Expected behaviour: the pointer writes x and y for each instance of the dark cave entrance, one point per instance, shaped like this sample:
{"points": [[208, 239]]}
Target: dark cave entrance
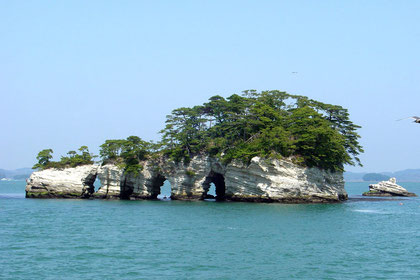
{"points": [[89, 183], [126, 188], [161, 188], [218, 181]]}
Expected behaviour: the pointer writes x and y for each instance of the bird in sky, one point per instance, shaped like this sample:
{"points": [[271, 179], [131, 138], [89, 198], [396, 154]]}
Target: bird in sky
{"points": [[416, 119]]}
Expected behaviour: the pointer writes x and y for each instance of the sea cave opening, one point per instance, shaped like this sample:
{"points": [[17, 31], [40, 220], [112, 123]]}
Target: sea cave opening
{"points": [[89, 182], [211, 194], [161, 188], [165, 191], [214, 187], [97, 184]]}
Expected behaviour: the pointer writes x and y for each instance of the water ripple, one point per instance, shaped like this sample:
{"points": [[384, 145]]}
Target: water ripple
{"points": [[92, 239]]}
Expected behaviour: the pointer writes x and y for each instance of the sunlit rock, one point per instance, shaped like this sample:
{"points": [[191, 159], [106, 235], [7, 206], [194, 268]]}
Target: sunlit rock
{"points": [[282, 181], [387, 188], [74, 182], [262, 180], [110, 177]]}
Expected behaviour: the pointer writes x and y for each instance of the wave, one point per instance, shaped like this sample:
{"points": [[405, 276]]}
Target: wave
{"points": [[369, 211], [12, 195]]}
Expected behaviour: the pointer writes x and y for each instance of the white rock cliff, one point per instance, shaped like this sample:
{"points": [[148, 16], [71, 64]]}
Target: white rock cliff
{"points": [[262, 180], [66, 183]]}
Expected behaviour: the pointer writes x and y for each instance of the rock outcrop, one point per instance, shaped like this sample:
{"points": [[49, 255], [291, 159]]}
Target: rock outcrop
{"points": [[110, 177], [263, 180], [387, 188], [283, 181], [62, 183]]}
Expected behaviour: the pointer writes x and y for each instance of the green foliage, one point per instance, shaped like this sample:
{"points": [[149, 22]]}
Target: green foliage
{"points": [[44, 158], [126, 153], [267, 124], [190, 173], [72, 160], [111, 149]]}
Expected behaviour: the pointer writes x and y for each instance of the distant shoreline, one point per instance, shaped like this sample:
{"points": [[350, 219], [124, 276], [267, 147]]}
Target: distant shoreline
{"points": [[407, 175], [368, 182]]}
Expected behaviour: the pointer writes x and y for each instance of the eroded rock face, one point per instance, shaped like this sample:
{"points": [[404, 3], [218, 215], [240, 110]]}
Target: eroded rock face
{"points": [[62, 183], [282, 181], [262, 181], [387, 188], [110, 177], [143, 185], [188, 181]]}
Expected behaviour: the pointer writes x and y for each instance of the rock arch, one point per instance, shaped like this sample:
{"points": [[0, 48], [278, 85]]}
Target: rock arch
{"points": [[155, 184], [88, 183], [219, 182], [261, 180]]}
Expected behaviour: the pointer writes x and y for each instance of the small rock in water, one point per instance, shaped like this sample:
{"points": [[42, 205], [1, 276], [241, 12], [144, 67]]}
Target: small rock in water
{"points": [[387, 188]]}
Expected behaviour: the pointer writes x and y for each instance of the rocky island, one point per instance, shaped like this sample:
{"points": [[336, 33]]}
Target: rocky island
{"points": [[387, 188], [260, 147], [261, 181]]}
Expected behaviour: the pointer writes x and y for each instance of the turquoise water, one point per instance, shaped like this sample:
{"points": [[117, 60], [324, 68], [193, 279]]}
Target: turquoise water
{"points": [[94, 239]]}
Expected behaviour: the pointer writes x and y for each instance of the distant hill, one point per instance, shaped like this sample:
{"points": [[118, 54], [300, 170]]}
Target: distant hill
{"points": [[375, 177], [408, 175], [354, 176], [17, 174]]}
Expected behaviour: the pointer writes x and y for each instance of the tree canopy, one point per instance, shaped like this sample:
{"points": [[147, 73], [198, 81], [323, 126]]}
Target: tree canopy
{"points": [[268, 124], [72, 160], [44, 158], [127, 153], [265, 124]]}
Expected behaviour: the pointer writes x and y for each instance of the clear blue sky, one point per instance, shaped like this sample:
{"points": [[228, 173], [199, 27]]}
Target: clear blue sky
{"points": [[77, 73]]}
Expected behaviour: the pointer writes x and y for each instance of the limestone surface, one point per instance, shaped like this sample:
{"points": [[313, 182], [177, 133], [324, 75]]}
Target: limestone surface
{"points": [[74, 182], [262, 180], [109, 176], [387, 188], [282, 181]]}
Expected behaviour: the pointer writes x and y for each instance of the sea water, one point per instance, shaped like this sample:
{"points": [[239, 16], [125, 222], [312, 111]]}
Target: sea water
{"points": [[97, 239]]}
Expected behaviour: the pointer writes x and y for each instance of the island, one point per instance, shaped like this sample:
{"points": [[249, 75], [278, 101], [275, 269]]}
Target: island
{"points": [[387, 188], [267, 146]]}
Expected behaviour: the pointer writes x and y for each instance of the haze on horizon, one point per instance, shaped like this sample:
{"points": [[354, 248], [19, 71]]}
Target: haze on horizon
{"points": [[80, 72]]}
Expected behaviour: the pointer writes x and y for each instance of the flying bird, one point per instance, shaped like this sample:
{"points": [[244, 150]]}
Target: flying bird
{"points": [[416, 119]]}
